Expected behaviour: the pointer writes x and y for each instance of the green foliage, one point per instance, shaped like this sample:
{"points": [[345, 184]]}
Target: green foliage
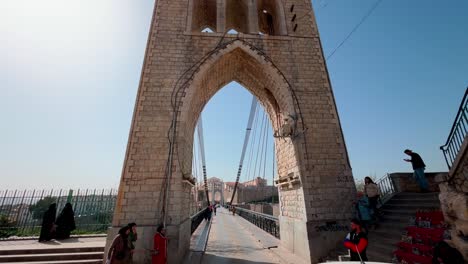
{"points": [[38, 209], [7, 227]]}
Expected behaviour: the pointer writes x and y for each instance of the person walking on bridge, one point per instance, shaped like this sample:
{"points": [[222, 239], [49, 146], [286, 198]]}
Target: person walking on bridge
{"points": [[418, 167]]}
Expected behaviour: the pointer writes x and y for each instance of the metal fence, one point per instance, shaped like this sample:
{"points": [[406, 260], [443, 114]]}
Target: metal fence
{"points": [[457, 133], [21, 211], [196, 219], [387, 188], [266, 222]]}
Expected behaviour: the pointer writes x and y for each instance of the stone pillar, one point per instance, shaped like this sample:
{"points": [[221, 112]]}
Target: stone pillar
{"points": [[253, 17], [221, 16]]}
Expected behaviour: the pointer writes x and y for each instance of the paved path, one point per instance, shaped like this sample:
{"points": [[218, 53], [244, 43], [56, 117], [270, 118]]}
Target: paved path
{"points": [[232, 242], [73, 242]]}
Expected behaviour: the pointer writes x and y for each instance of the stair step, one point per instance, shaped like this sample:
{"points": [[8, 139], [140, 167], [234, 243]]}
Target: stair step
{"points": [[51, 257], [385, 224], [416, 207], [85, 261], [394, 234], [380, 257], [400, 212], [50, 250], [407, 195]]}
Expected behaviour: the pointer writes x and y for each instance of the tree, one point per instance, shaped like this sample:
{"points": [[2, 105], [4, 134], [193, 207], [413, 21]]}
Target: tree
{"points": [[38, 209], [7, 227]]}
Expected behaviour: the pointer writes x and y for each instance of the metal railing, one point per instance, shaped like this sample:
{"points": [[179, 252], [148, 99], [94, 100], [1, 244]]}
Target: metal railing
{"points": [[21, 211], [196, 219], [387, 188], [266, 222], [457, 133]]}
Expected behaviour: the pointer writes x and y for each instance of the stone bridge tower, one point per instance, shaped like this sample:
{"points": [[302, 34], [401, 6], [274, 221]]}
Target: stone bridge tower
{"points": [[277, 56]]}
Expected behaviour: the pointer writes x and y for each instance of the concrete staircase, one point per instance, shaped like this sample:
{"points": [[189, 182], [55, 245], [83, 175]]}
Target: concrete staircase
{"points": [[63, 255], [397, 212]]}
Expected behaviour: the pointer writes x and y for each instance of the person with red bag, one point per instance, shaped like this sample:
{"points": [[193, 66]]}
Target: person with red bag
{"points": [[356, 241]]}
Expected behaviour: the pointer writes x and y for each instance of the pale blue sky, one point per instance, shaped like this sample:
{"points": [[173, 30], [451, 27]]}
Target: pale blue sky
{"points": [[69, 73]]}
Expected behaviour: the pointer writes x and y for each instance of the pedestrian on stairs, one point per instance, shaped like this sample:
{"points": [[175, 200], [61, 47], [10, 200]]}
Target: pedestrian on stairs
{"points": [[372, 191], [363, 212], [356, 241], [418, 167]]}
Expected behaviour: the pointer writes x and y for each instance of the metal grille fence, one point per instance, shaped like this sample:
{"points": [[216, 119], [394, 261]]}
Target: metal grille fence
{"points": [[266, 222], [21, 211], [457, 134]]}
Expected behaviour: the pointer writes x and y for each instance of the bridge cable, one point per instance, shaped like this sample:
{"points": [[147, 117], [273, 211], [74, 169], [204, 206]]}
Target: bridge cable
{"points": [[263, 140], [253, 108], [195, 171], [363, 19], [251, 145], [265, 160], [202, 151], [258, 152], [273, 168]]}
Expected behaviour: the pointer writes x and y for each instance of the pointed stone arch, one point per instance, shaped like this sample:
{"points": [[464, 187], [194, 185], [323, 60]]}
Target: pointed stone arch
{"points": [[238, 61]]}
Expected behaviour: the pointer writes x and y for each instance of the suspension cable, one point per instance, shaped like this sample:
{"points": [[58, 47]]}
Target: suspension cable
{"points": [[202, 151], [253, 108], [260, 152], [260, 141], [265, 160], [251, 146]]}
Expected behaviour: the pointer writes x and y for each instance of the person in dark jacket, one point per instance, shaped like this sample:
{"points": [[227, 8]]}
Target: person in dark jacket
{"points": [[65, 222], [48, 224], [132, 238], [418, 167], [445, 254], [119, 252], [356, 241]]}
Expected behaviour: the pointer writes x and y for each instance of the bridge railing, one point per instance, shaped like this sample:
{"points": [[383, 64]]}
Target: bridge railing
{"points": [[196, 219], [21, 211], [266, 222], [457, 133], [387, 188]]}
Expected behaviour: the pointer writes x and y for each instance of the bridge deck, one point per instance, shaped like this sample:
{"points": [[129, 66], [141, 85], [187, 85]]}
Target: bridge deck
{"points": [[234, 240]]}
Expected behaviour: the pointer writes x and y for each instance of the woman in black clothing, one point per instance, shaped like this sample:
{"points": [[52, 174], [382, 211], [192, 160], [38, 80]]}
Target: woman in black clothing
{"points": [[65, 222], [48, 224]]}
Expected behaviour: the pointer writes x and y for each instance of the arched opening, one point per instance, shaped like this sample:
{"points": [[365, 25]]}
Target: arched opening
{"points": [[270, 18], [224, 141], [203, 15], [238, 63], [237, 15], [232, 31], [207, 30]]}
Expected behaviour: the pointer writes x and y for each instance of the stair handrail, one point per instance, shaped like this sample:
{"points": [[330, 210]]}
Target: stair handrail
{"points": [[387, 188], [457, 133]]}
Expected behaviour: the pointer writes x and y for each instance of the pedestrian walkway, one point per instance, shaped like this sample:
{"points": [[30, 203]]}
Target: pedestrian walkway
{"points": [[31, 244], [231, 241]]}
